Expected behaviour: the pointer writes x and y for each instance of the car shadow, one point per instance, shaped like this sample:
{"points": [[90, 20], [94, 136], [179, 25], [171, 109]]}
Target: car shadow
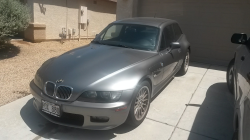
{"points": [[195, 65], [45, 129], [8, 51], [159, 92], [214, 118]]}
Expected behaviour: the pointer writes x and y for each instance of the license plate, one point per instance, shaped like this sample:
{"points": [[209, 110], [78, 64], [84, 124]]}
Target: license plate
{"points": [[51, 108]]}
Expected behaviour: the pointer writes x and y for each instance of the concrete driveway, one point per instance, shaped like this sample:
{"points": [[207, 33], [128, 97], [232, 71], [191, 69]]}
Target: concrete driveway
{"points": [[197, 106]]}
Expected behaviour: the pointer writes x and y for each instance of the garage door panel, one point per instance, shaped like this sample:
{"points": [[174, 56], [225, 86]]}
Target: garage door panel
{"points": [[160, 8], [213, 19], [201, 52], [216, 1], [233, 16], [202, 7], [208, 24], [208, 53], [209, 35], [212, 34], [213, 47], [229, 16], [216, 7], [208, 60]]}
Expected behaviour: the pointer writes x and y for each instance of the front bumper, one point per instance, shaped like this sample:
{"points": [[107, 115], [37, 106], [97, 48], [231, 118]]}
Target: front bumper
{"points": [[83, 110]]}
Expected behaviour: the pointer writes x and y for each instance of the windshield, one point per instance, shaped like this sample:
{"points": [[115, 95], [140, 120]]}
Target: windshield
{"points": [[130, 36]]}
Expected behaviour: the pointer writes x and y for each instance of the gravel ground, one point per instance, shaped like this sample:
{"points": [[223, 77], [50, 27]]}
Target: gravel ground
{"points": [[20, 60]]}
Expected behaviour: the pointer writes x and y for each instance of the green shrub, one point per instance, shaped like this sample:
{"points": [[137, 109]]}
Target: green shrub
{"points": [[14, 18]]}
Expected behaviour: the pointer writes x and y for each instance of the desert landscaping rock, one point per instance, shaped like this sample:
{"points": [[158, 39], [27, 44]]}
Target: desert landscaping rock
{"points": [[19, 62]]}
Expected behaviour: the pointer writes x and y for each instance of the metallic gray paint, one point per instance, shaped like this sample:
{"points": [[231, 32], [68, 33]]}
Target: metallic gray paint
{"points": [[108, 68], [241, 91], [87, 109]]}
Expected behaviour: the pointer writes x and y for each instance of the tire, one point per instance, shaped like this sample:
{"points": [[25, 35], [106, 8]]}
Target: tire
{"points": [[185, 64], [134, 119], [230, 76], [235, 136]]}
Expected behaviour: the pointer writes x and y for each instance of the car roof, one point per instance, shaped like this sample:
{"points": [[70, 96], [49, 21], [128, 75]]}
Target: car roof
{"points": [[150, 21]]}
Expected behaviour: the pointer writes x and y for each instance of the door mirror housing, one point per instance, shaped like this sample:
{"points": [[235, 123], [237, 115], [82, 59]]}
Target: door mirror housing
{"points": [[96, 35], [175, 45], [239, 38]]}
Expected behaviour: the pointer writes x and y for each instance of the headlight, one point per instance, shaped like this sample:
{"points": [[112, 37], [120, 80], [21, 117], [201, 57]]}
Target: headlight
{"points": [[100, 96]]}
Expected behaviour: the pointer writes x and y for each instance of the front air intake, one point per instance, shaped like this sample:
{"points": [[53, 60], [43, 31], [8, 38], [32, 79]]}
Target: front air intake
{"points": [[64, 92], [49, 88]]}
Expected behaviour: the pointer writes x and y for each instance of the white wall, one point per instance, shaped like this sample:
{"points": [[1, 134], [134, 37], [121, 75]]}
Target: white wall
{"points": [[58, 14]]}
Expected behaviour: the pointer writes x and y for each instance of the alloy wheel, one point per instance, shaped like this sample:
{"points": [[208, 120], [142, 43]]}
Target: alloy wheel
{"points": [[230, 76], [141, 103], [186, 61]]}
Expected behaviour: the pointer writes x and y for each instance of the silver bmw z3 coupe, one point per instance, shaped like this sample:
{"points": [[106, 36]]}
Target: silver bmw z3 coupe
{"points": [[113, 79]]}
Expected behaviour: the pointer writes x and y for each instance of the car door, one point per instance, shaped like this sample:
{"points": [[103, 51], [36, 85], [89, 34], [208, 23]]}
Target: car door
{"points": [[243, 88], [177, 53], [242, 71], [245, 135], [165, 52], [157, 69]]}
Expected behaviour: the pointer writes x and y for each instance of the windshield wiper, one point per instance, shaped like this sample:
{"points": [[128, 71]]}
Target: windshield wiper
{"points": [[96, 41], [123, 46], [118, 45]]}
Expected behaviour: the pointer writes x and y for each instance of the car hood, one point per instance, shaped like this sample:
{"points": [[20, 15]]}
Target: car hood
{"points": [[83, 66]]}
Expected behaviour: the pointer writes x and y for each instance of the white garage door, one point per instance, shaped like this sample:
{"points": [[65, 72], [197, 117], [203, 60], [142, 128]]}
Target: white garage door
{"points": [[208, 24]]}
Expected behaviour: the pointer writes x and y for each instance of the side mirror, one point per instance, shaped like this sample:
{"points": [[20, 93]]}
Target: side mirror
{"points": [[175, 45], [96, 35], [239, 38]]}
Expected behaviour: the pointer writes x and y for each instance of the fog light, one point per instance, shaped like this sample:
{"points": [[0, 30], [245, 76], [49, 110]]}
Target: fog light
{"points": [[100, 119]]}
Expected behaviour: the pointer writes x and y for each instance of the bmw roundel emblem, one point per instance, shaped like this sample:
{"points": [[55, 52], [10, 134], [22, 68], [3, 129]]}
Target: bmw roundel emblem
{"points": [[59, 81]]}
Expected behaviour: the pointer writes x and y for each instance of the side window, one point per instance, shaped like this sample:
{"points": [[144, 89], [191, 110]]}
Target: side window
{"points": [[169, 35], [163, 43], [112, 32], [177, 31]]}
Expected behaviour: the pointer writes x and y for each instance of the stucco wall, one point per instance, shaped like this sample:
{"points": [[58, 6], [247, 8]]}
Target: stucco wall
{"points": [[58, 14], [126, 9]]}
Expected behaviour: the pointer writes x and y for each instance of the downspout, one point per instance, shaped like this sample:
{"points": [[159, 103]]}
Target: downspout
{"points": [[66, 18]]}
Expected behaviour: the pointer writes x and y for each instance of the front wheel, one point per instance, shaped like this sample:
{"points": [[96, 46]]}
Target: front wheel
{"points": [[140, 104], [185, 64]]}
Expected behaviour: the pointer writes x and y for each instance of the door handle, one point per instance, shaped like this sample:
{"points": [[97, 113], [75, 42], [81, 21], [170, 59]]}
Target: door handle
{"points": [[242, 58], [161, 64]]}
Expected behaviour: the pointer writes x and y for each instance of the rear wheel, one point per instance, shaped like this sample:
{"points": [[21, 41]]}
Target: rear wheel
{"points": [[185, 64], [230, 76], [140, 104]]}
